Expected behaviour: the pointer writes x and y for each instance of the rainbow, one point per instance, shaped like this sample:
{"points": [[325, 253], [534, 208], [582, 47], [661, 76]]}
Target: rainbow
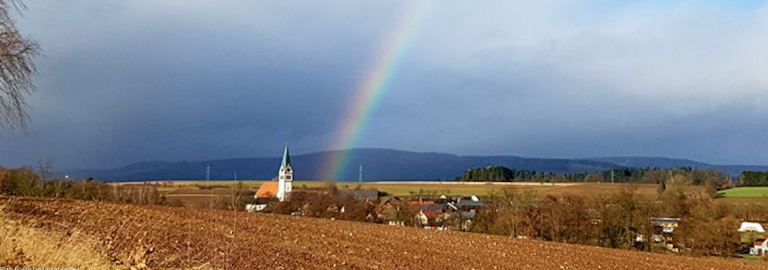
{"points": [[371, 88]]}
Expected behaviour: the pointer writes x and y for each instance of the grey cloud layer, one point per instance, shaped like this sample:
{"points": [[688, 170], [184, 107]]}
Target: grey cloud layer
{"points": [[186, 80]]}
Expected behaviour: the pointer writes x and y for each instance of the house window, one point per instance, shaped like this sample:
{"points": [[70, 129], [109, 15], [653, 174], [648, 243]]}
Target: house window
{"points": [[287, 177], [282, 177]]}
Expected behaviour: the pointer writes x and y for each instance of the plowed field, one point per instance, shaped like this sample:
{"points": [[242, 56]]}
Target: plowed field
{"points": [[165, 237]]}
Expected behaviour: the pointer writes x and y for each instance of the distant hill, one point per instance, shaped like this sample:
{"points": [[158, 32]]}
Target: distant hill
{"points": [[651, 162], [661, 162], [379, 165]]}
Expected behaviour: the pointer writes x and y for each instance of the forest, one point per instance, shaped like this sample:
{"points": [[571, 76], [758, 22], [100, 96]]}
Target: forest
{"points": [[753, 179], [497, 173]]}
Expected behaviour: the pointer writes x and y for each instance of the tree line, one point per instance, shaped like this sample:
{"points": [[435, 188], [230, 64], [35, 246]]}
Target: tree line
{"points": [[26, 182], [753, 179], [624, 175]]}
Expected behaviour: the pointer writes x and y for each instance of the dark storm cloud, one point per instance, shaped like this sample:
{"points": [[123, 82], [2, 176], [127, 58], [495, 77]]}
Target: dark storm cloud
{"points": [[187, 80]]}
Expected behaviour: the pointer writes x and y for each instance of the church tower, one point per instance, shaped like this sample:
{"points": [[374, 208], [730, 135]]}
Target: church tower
{"points": [[285, 177]]}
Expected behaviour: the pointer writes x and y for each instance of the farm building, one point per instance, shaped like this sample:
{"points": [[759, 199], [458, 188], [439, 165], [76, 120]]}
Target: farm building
{"points": [[667, 225], [663, 230], [747, 226]]}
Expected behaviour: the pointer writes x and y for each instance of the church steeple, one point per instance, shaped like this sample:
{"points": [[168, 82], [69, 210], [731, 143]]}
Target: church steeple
{"points": [[286, 158], [285, 177]]}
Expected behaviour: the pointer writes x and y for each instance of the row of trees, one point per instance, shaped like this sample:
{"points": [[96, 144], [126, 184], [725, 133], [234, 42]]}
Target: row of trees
{"points": [[328, 202], [25, 182], [626, 175], [620, 220], [753, 179], [492, 174]]}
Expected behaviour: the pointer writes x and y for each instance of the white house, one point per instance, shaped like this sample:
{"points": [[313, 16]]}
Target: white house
{"points": [[759, 247]]}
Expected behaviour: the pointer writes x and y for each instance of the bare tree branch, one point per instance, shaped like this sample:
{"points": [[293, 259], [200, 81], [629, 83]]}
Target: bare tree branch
{"points": [[17, 70]]}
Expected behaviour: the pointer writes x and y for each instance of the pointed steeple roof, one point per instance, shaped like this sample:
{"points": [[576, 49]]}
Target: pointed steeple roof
{"points": [[286, 157]]}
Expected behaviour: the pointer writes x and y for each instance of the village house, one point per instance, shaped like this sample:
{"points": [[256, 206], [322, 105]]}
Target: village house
{"points": [[664, 228], [390, 212], [439, 213], [759, 246], [432, 215], [467, 204]]}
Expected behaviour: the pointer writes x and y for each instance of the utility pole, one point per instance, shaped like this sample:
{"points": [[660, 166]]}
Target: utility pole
{"points": [[207, 181], [360, 174]]}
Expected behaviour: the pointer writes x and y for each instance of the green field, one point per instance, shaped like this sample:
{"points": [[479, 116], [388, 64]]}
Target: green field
{"points": [[744, 192]]}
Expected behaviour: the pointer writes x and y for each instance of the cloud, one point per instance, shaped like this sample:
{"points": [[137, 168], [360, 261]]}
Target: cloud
{"points": [[189, 80]]}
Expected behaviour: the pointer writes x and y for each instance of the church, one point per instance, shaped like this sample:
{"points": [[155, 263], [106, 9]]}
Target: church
{"points": [[285, 177], [279, 190]]}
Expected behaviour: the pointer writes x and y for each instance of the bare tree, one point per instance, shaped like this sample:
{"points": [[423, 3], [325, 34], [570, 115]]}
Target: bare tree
{"points": [[16, 68]]}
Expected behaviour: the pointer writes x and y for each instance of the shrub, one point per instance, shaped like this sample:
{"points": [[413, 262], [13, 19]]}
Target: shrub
{"points": [[325, 203], [24, 182], [19, 182]]}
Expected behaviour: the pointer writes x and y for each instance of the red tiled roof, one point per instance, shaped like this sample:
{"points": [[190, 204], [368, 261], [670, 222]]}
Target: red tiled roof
{"points": [[267, 190], [420, 203], [432, 214], [759, 241]]}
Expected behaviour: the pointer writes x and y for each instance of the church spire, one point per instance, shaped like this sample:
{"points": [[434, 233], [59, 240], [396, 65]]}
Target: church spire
{"points": [[285, 176], [286, 158]]}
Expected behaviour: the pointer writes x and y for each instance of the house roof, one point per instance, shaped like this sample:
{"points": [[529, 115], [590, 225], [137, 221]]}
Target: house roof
{"points": [[432, 214], [470, 203], [751, 227], [391, 200], [421, 202], [665, 222], [434, 207], [370, 194], [267, 190], [467, 215], [759, 241]]}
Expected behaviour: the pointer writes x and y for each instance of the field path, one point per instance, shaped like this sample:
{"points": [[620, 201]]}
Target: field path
{"points": [[166, 237]]}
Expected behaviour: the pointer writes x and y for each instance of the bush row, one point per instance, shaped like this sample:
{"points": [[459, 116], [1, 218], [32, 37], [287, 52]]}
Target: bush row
{"points": [[25, 182]]}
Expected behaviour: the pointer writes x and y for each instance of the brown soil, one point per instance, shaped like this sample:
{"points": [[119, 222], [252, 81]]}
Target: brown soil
{"points": [[165, 237]]}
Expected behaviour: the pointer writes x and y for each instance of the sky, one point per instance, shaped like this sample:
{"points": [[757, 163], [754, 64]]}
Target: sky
{"points": [[129, 81]]}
